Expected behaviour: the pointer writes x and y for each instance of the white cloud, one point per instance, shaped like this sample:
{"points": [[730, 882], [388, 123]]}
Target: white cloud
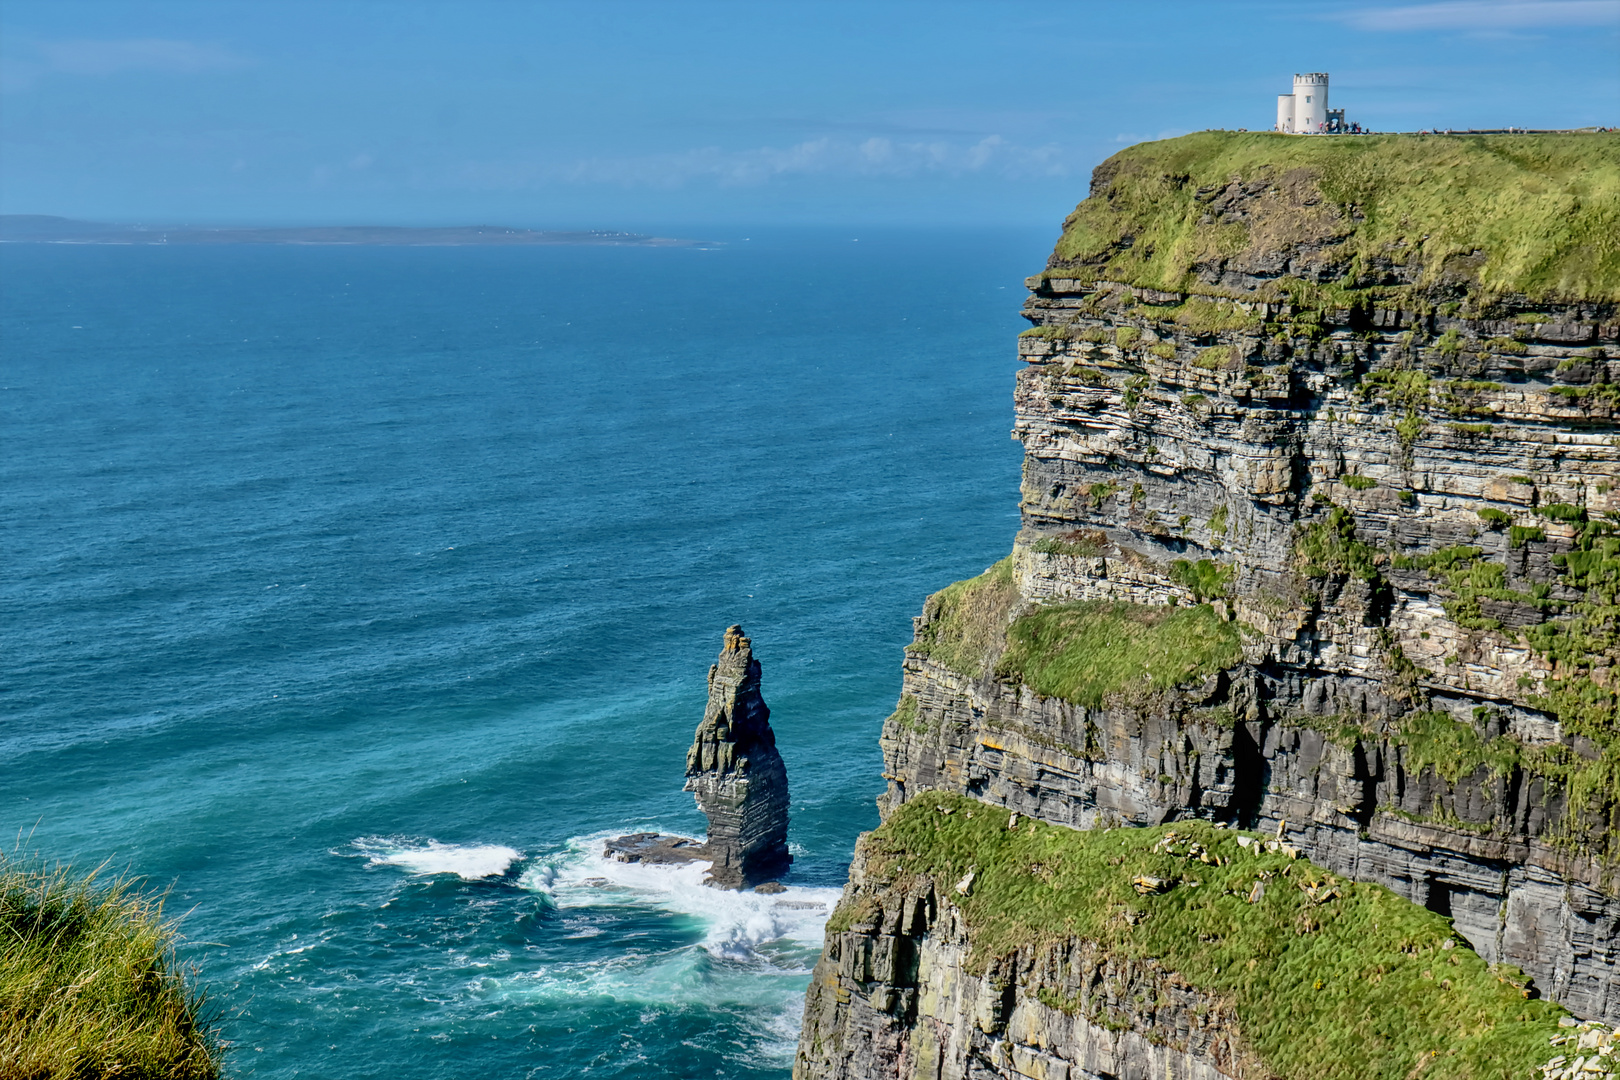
{"points": [[877, 156], [87, 57], [1485, 15]]}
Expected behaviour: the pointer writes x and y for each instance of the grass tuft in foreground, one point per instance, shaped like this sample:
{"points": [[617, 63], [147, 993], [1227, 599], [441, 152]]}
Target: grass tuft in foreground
{"points": [[1331, 980], [89, 987]]}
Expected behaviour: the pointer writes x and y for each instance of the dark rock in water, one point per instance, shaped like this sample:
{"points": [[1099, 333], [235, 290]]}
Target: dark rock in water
{"points": [[740, 783], [655, 848], [737, 775]]}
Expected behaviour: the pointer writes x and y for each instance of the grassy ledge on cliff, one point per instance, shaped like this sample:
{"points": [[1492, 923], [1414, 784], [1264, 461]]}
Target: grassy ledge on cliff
{"points": [[1090, 652], [89, 986], [1096, 650], [1536, 216], [965, 623], [1330, 979]]}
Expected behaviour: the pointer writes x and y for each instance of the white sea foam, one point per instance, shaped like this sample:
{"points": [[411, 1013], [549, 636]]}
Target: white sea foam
{"points": [[740, 925], [754, 950], [467, 861], [779, 1034], [294, 947]]}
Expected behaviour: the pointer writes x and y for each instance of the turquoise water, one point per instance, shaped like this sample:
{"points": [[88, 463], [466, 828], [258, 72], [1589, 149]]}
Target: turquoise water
{"points": [[354, 594]]}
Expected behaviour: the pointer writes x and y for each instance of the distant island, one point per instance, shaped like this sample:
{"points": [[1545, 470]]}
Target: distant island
{"points": [[46, 229]]}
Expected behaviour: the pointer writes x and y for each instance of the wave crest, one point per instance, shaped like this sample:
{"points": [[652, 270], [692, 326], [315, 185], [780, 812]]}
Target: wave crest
{"points": [[739, 925], [470, 862]]}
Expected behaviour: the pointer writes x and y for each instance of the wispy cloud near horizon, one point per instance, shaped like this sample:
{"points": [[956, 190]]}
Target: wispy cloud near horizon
{"points": [[1131, 138], [710, 110], [1484, 15], [877, 156], [111, 57]]}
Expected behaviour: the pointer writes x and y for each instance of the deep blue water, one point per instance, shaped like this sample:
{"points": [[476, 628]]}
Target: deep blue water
{"points": [[352, 593]]}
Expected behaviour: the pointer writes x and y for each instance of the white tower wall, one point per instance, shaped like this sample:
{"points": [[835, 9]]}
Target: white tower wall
{"points": [[1285, 112], [1310, 101]]}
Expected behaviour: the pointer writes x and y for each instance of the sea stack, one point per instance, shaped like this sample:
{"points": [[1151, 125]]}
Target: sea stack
{"points": [[737, 775]]}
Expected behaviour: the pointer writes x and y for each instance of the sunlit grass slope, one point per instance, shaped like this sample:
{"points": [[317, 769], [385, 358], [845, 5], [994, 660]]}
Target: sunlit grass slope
{"points": [[1089, 652], [1543, 211], [1331, 980], [89, 988]]}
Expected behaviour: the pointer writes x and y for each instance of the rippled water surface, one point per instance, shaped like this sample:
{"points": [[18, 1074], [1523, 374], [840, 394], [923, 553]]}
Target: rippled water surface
{"points": [[354, 594]]}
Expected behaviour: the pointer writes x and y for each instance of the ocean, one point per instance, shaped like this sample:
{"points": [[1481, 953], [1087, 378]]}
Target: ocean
{"points": [[354, 595]]}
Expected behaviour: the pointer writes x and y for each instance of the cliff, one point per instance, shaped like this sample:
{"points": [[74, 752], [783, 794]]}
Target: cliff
{"points": [[973, 942], [740, 782], [1319, 540]]}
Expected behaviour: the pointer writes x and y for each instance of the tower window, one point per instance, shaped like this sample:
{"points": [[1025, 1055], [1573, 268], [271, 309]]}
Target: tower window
{"points": [[1307, 99]]}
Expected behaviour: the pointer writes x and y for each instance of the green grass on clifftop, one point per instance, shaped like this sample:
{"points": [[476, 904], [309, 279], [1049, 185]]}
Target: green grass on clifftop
{"points": [[1353, 984], [1543, 209], [88, 984]]}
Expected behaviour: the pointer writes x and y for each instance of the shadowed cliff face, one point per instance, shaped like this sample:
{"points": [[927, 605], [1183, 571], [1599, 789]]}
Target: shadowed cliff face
{"points": [[737, 775], [1321, 537]]}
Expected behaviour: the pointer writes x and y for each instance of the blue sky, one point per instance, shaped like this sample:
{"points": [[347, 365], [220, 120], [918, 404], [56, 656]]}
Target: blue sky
{"points": [[676, 114]]}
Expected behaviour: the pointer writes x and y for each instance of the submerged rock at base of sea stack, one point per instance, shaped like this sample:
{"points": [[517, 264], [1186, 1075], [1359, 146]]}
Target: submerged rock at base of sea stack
{"points": [[737, 775]]}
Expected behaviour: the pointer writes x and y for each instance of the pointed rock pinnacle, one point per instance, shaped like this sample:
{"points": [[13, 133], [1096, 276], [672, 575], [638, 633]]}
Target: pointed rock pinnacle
{"points": [[737, 775]]}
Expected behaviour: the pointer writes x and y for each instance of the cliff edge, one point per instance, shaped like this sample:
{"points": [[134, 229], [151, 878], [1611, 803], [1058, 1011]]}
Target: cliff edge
{"points": [[1320, 549]]}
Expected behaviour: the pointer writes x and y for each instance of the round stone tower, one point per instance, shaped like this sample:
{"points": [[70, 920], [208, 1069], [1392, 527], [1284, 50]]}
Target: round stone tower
{"points": [[1285, 113], [1310, 101]]}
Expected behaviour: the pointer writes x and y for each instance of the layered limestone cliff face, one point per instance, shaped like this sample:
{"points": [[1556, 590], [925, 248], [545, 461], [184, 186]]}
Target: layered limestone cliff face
{"points": [[971, 942], [1319, 535], [896, 995], [737, 774], [910, 957]]}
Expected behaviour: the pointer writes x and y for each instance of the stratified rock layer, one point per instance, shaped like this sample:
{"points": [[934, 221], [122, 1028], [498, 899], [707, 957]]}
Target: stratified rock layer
{"points": [[1140, 455], [894, 995], [737, 775]]}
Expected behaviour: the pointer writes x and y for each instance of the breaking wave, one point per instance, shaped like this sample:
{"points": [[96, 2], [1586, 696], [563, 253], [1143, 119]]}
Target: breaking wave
{"points": [[470, 862], [739, 925], [620, 936]]}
